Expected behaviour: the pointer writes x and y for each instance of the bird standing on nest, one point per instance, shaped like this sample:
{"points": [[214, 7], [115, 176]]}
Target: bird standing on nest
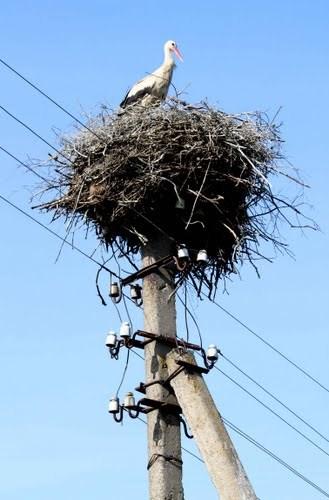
{"points": [[154, 87]]}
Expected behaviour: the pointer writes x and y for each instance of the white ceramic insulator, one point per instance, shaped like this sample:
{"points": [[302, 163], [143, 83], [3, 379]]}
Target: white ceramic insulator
{"points": [[114, 290], [125, 329], [129, 400], [212, 353], [183, 253], [111, 339], [114, 405], [202, 256]]}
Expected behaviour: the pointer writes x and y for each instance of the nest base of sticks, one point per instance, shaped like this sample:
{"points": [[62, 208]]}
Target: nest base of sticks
{"points": [[194, 174]]}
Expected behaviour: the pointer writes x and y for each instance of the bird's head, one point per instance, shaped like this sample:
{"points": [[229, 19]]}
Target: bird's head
{"points": [[170, 47]]}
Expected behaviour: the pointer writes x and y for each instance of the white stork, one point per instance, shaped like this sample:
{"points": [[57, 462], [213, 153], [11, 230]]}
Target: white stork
{"points": [[154, 87]]}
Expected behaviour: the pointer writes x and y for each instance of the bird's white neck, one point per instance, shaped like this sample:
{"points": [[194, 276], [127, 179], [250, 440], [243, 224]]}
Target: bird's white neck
{"points": [[168, 57]]}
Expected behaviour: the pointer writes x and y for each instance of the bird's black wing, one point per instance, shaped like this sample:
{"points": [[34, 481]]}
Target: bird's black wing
{"points": [[137, 96]]}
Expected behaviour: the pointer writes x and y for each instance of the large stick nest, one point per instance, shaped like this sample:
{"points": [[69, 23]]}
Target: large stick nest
{"points": [[193, 173]]}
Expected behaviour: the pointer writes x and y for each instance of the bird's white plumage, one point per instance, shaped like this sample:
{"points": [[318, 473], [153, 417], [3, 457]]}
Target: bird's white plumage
{"points": [[155, 86]]}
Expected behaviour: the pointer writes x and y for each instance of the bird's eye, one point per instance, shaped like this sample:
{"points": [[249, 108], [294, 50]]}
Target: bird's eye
{"points": [[173, 44]]}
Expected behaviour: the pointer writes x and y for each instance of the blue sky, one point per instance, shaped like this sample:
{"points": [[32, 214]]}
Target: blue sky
{"points": [[57, 440]]}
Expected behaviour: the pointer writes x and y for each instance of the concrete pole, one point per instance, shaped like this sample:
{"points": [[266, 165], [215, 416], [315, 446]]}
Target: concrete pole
{"points": [[164, 441], [211, 437]]}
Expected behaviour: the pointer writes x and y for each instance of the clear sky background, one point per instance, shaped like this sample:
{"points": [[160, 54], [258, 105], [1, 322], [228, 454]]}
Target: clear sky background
{"points": [[57, 440]]}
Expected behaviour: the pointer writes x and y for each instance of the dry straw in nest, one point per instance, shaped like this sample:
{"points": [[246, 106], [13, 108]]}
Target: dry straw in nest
{"points": [[194, 174]]}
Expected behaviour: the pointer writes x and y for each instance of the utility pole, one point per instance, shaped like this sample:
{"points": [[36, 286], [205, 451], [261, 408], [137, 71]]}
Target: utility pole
{"points": [[204, 420], [163, 428]]}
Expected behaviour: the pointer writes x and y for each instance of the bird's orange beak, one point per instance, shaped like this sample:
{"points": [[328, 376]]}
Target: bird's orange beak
{"points": [[178, 54]]}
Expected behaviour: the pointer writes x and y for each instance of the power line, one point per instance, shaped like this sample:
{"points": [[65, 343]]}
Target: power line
{"points": [[35, 87], [74, 247], [230, 314], [64, 240], [23, 212], [107, 269], [272, 411], [268, 344], [3, 198], [137, 354], [24, 164], [265, 406], [104, 267], [259, 446], [275, 457], [275, 398], [27, 127], [261, 386]]}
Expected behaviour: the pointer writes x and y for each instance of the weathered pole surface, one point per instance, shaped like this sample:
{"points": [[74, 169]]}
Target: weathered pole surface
{"points": [[211, 437], [164, 440]]}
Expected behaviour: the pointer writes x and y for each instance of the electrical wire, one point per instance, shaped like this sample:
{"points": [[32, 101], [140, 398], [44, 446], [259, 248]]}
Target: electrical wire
{"points": [[117, 311], [272, 411], [128, 350], [27, 127], [218, 305], [24, 164], [74, 247], [193, 319], [269, 345], [3, 198], [35, 87], [260, 447], [137, 354], [275, 398], [265, 342], [267, 407], [275, 457], [269, 393], [298, 367], [225, 310], [63, 239], [99, 264], [185, 313], [13, 205], [52, 232], [123, 374]]}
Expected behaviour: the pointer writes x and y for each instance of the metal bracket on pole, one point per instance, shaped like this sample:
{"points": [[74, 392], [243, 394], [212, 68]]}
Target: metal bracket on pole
{"points": [[175, 343], [163, 339], [165, 383], [190, 367], [152, 404], [145, 271]]}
